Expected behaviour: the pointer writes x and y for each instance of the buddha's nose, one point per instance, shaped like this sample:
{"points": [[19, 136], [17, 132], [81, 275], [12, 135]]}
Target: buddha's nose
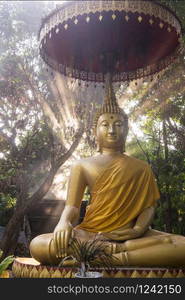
{"points": [[111, 130]]}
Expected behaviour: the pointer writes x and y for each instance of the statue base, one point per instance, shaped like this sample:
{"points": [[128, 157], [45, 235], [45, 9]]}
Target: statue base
{"points": [[25, 267]]}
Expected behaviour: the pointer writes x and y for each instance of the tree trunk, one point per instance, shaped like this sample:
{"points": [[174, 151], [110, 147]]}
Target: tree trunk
{"points": [[10, 236], [167, 212]]}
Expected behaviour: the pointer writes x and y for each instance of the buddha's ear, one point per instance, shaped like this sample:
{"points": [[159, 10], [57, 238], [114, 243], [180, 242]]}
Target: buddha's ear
{"points": [[95, 133], [98, 148], [123, 147], [97, 143]]}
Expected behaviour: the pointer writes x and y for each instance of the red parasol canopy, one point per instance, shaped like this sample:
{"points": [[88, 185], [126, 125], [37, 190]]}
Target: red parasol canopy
{"points": [[131, 39]]}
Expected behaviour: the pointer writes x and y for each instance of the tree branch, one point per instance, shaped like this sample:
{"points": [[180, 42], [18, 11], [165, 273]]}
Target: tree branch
{"points": [[45, 186], [8, 139]]}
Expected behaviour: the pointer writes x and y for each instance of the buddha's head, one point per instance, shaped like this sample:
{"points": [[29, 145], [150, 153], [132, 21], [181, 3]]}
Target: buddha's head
{"points": [[111, 124]]}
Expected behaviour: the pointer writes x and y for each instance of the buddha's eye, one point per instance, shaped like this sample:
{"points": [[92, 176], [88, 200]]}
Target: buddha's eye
{"points": [[104, 124]]}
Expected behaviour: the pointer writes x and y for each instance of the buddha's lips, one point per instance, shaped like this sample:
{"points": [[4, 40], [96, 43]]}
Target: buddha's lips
{"points": [[112, 137]]}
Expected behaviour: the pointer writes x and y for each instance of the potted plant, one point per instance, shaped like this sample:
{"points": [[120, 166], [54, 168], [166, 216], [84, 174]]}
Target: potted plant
{"points": [[4, 265], [87, 254]]}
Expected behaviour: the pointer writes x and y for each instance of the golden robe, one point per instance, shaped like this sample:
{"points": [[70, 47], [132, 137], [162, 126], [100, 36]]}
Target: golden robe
{"points": [[121, 192]]}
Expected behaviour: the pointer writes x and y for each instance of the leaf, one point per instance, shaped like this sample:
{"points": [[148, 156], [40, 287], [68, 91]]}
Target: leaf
{"points": [[5, 263], [64, 259]]}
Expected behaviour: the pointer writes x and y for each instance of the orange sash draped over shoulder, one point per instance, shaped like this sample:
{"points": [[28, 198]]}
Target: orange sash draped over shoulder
{"points": [[121, 192]]}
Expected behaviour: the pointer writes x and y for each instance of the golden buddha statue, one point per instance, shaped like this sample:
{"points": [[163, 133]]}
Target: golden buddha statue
{"points": [[124, 195]]}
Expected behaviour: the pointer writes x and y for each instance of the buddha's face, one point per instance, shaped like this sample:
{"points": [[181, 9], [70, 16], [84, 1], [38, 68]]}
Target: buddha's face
{"points": [[110, 131]]}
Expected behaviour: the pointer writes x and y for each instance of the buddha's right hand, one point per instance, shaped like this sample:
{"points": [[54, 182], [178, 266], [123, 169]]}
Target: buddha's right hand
{"points": [[63, 232]]}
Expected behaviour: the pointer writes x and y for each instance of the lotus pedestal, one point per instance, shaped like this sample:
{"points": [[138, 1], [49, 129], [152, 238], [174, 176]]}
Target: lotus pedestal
{"points": [[24, 267]]}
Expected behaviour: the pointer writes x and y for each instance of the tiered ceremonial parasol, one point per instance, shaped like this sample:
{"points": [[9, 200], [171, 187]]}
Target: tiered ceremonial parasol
{"points": [[129, 39]]}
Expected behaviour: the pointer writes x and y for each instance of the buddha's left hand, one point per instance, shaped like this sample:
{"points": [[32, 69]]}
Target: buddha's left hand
{"points": [[124, 234]]}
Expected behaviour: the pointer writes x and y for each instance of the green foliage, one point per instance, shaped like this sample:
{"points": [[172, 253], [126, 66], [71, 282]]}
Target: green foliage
{"points": [[178, 6], [171, 181], [6, 201], [161, 150], [4, 264], [87, 195], [7, 204]]}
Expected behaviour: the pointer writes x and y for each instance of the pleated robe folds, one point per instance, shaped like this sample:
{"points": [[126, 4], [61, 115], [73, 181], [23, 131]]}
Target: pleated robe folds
{"points": [[121, 192]]}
